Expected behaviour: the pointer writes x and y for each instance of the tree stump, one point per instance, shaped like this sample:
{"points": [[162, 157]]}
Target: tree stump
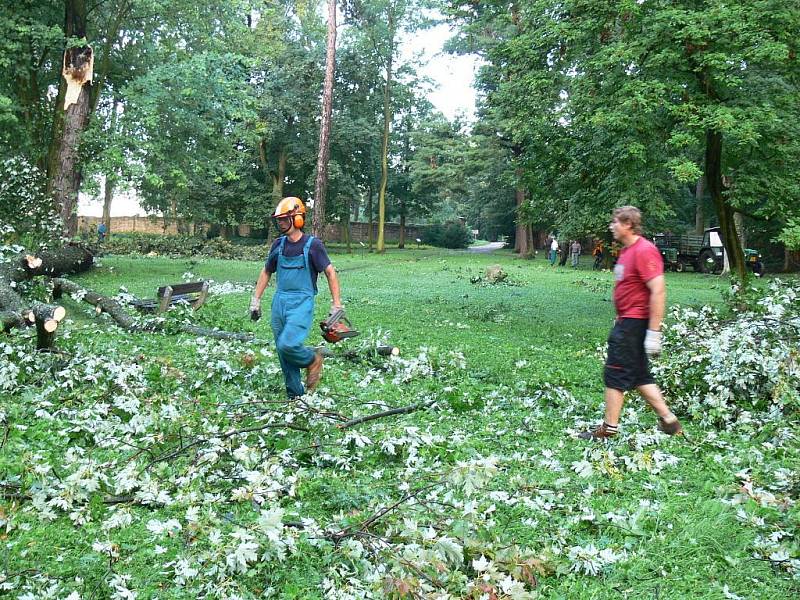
{"points": [[47, 318], [495, 274]]}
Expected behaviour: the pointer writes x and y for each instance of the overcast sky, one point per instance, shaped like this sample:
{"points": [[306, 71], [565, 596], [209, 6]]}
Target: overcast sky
{"points": [[453, 95], [453, 74]]}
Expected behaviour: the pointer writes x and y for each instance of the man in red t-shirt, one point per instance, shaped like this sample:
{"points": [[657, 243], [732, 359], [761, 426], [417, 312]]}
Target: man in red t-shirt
{"points": [[639, 297]]}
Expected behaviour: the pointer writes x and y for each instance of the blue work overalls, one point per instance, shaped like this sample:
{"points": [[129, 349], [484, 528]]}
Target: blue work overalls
{"points": [[292, 314]]}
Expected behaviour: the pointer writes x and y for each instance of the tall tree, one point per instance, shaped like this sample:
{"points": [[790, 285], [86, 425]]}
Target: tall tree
{"points": [[627, 102], [321, 184], [78, 94], [384, 21]]}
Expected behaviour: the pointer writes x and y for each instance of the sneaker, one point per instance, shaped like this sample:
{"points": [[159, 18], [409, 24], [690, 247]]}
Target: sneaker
{"points": [[673, 428], [314, 372], [601, 433]]}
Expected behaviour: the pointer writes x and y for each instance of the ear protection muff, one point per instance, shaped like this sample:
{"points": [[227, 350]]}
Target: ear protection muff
{"points": [[298, 221]]}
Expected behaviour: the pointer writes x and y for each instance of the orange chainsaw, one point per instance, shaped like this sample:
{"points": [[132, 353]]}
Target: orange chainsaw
{"points": [[337, 327]]}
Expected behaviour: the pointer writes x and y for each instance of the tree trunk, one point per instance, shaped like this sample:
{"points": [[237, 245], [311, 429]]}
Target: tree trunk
{"points": [[738, 219], [699, 217], [791, 260], [70, 118], [108, 196], [402, 241], [387, 120], [321, 184], [279, 177], [348, 231], [730, 238], [531, 252], [564, 253], [111, 176], [521, 241], [371, 218], [262, 158]]}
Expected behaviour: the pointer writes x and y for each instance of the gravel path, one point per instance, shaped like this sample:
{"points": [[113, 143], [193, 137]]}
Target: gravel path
{"points": [[490, 247]]}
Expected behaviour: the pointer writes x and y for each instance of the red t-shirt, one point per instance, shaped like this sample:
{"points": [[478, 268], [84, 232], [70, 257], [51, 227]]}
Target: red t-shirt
{"points": [[637, 264]]}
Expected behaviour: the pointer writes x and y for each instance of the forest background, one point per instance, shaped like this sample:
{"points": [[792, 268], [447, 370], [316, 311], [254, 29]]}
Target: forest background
{"points": [[212, 111]]}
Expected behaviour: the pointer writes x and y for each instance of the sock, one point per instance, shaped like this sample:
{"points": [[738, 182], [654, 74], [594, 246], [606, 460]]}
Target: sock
{"points": [[669, 417]]}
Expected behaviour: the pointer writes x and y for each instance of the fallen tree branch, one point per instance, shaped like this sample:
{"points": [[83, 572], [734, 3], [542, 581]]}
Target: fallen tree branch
{"points": [[366, 524], [379, 350], [386, 413], [167, 456], [104, 304], [110, 500]]}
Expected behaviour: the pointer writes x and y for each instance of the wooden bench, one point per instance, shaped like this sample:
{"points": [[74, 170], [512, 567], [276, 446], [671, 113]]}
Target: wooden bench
{"points": [[193, 293]]}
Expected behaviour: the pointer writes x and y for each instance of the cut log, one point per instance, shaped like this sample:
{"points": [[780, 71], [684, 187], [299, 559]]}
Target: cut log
{"points": [[15, 311], [54, 263], [47, 318]]}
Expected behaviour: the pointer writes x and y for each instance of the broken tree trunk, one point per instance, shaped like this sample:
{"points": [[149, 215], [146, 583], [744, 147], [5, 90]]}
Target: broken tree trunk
{"points": [[104, 304], [15, 311], [64, 261], [71, 118]]}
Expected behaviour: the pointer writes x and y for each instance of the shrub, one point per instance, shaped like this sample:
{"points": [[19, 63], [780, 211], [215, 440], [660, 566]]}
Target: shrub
{"points": [[26, 213], [182, 246], [723, 367], [453, 234]]}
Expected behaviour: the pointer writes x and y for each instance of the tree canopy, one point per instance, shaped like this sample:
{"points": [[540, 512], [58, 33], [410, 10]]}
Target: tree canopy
{"points": [[212, 111]]}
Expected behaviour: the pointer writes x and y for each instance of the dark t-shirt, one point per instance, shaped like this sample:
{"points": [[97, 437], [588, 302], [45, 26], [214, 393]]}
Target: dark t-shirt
{"points": [[317, 255]]}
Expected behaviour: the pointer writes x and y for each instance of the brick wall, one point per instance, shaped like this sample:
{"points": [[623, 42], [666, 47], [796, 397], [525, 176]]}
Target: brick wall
{"points": [[333, 232], [130, 224]]}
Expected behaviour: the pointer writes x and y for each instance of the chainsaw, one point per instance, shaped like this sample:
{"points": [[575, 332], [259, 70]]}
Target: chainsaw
{"points": [[337, 327]]}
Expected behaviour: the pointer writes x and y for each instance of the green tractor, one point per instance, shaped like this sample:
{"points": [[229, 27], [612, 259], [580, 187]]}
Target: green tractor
{"points": [[704, 253]]}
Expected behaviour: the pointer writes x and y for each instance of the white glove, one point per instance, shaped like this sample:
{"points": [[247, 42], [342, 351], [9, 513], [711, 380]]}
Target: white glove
{"points": [[334, 308], [652, 342], [255, 308]]}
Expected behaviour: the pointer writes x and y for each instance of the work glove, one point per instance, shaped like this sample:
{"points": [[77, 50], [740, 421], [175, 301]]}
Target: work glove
{"points": [[652, 342], [334, 308], [255, 308]]}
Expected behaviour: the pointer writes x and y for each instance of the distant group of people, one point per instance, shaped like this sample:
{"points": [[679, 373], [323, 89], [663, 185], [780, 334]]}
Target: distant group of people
{"points": [[575, 250]]}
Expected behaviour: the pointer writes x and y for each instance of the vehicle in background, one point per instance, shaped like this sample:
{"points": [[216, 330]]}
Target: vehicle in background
{"points": [[704, 253]]}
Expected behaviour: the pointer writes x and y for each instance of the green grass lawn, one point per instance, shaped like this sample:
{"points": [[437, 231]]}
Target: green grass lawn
{"points": [[488, 482]]}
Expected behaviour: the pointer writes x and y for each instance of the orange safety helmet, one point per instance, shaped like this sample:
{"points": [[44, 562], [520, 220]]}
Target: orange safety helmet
{"points": [[291, 207]]}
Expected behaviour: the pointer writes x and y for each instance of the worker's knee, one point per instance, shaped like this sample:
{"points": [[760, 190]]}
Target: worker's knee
{"points": [[287, 347]]}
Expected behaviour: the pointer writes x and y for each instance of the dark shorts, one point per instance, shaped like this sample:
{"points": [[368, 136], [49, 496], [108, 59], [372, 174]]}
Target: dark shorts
{"points": [[626, 365]]}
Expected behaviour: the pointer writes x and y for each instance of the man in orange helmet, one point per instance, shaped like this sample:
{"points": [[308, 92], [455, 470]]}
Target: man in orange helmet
{"points": [[297, 258]]}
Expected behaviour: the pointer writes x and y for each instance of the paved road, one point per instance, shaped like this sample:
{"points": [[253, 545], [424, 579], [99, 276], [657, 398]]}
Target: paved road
{"points": [[490, 247]]}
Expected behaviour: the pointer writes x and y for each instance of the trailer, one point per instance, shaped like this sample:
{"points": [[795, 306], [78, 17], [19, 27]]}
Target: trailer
{"points": [[704, 253]]}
